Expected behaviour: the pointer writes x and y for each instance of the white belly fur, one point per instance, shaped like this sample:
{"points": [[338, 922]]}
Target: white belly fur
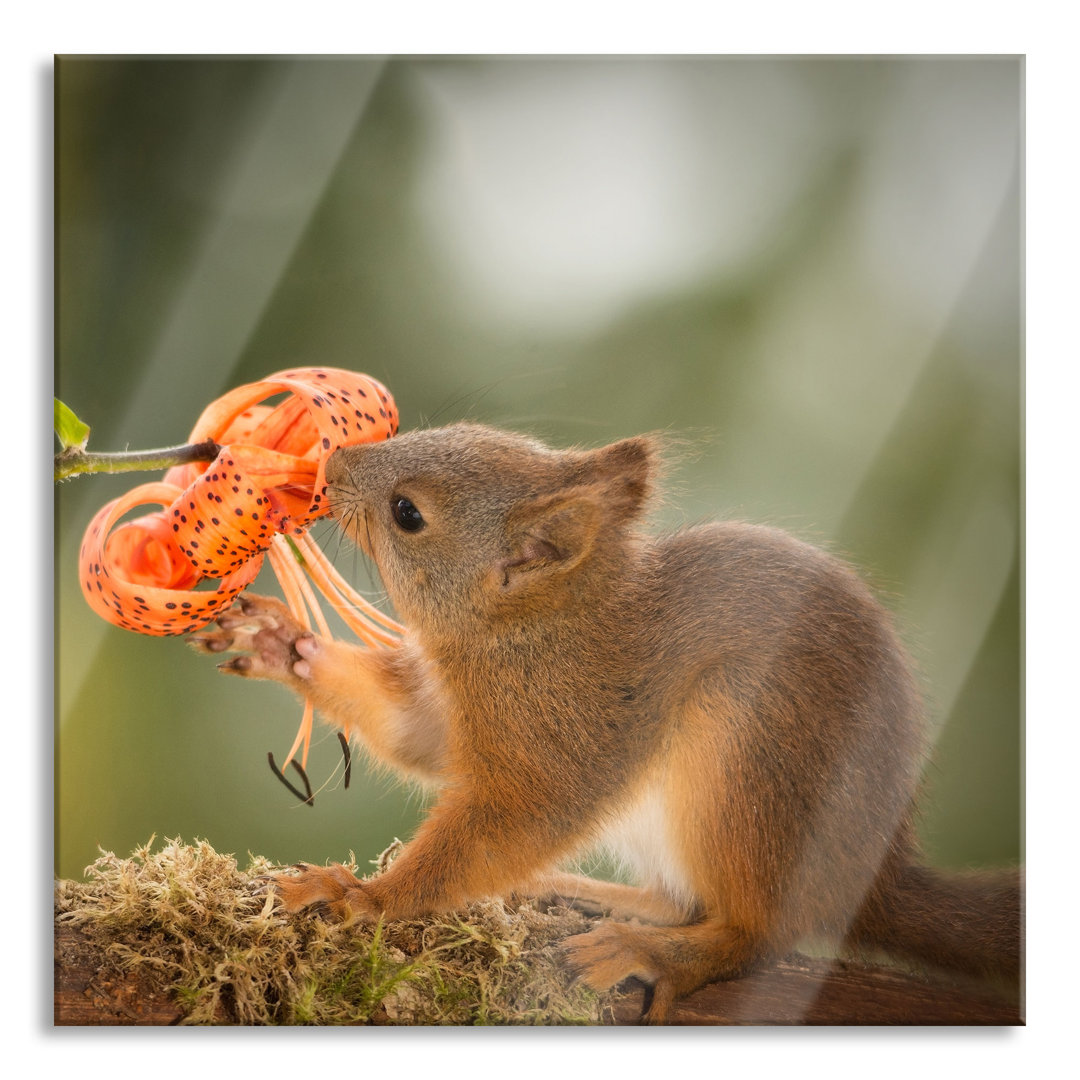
{"points": [[640, 841]]}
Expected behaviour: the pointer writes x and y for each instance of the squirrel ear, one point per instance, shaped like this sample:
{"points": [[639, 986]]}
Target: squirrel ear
{"points": [[549, 535], [624, 472]]}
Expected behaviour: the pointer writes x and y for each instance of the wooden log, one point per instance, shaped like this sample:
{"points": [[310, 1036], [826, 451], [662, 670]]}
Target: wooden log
{"points": [[801, 990], [91, 988]]}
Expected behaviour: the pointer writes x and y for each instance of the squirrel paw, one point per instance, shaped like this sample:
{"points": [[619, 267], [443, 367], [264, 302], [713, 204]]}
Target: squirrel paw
{"points": [[265, 632], [613, 952], [330, 890], [605, 956]]}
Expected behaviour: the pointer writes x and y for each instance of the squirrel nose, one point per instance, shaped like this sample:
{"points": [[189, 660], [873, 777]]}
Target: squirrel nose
{"points": [[335, 468], [342, 463]]}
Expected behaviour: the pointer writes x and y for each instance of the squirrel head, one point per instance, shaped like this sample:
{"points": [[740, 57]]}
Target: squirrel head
{"points": [[468, 521]]}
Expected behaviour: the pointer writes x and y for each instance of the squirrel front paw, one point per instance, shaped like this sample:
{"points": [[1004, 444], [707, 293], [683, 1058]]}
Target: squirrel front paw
{"points": [[272, 643], [331, 890]]}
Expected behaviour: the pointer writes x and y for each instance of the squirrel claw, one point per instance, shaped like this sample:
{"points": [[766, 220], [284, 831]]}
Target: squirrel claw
{"points": [[209, 643]]}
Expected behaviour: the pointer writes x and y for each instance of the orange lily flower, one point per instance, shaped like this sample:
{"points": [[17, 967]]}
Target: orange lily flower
{"points": [[219, 520]]}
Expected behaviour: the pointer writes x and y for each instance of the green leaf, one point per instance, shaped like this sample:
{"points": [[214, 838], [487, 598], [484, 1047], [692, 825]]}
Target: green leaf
{"points": [[70, 430]]}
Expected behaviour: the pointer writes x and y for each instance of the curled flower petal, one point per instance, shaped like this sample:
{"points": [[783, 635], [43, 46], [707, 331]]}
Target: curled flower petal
{"points": [[235, 509], [243, 429], [329, 408], [147, 551], [286, 427], [144, 596]]}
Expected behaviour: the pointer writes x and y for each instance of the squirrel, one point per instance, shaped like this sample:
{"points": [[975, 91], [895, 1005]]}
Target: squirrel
{"points": [[727, 708]]}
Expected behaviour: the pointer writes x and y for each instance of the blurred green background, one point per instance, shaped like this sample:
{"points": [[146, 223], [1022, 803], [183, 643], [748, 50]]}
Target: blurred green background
{"points": [[808, 271]]}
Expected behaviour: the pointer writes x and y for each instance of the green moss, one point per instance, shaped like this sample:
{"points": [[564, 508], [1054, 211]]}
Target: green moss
{"points": [[213, 934]]}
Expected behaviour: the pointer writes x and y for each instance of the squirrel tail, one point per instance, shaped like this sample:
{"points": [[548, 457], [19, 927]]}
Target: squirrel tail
{"points": [[965, 922]]}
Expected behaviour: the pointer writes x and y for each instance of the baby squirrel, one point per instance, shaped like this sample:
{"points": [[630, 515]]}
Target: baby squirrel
{"points": [[727, 708]]}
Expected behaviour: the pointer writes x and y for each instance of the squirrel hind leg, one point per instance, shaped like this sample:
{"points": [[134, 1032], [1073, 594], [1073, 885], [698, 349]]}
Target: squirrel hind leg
{"points": [[672, 960]]}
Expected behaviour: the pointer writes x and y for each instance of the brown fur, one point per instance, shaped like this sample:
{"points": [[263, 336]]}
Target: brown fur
{"points": [[727, 706]]}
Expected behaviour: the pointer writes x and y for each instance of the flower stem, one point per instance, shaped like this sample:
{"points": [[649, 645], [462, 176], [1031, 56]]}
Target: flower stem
{"points": [[75, 462]]}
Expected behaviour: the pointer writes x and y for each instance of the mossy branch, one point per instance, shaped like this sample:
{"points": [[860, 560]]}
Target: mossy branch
{"points": [[183, 936]]}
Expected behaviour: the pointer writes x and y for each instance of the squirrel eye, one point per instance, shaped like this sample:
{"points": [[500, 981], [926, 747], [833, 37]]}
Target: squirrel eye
{"points": [[406, 515]]}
